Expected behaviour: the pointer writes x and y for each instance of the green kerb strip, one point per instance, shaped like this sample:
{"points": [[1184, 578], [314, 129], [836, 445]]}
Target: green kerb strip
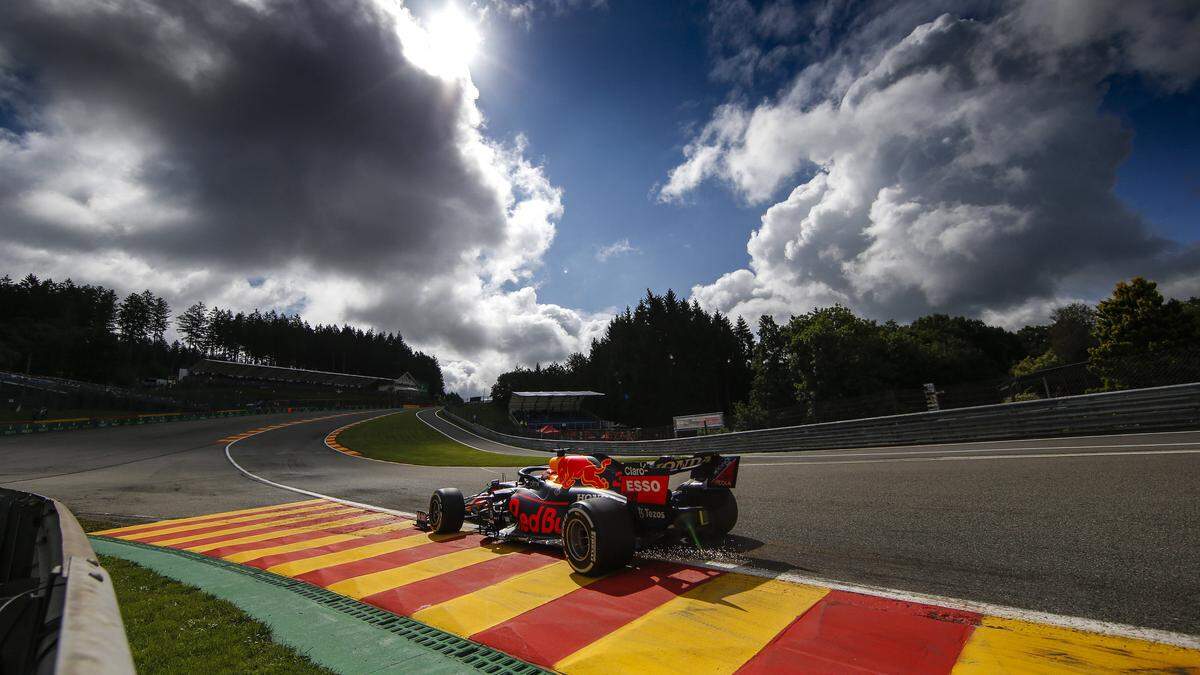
{"points": [[335, 631]]}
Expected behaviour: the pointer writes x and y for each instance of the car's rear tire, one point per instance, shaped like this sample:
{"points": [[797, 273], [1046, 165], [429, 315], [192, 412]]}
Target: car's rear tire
{"points": [[719, 503], [723, 512], [598, 536], [446, 510]]}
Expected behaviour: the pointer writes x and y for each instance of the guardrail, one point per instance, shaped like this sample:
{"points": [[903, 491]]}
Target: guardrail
{"points": [[1153, 409], [148, 418], [58, 611]]}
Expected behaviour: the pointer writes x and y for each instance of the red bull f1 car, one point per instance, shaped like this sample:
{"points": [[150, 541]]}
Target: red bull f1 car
{"points": [[599, 509]]}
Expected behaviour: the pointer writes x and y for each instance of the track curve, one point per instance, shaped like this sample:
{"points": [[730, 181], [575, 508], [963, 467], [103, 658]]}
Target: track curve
{"points": [[1100, 527], [433, 418]]}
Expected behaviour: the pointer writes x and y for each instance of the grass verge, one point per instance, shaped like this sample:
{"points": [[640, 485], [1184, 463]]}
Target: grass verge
{"points": [[176, 628], [489, 415], [404, 438]]}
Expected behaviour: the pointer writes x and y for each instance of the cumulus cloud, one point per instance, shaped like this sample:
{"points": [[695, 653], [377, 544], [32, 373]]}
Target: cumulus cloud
{"points": [[322, 149], [947, 164], [617, 248]]}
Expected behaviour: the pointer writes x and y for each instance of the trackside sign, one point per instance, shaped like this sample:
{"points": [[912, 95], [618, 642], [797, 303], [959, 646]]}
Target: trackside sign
{"points": [[700, 422]]}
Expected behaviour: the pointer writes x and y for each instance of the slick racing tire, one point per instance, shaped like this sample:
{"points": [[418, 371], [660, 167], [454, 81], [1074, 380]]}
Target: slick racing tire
{"points": [[719, 503], [446, 510], [723, 510], [597, 536]]}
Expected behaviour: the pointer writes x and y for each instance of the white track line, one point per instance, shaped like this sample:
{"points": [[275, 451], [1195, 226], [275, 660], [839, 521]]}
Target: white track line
{"points": [[771, 455], [325, 440], [921, 445], [1124, 453], [388, 461], [795, 453], [1002, 611], [1013, 440], [524, 452], [310, 493], [1061, 620]]}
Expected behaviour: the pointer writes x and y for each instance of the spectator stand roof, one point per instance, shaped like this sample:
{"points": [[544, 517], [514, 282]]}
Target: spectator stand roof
{"points": [[251, 371], [548, 401]]}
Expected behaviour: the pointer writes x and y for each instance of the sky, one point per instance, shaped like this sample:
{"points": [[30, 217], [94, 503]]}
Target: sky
{"points": [[495, 178]]}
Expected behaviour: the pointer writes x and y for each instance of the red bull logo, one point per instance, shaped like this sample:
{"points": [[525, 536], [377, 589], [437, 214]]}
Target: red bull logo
{"points": [[579, 470]]}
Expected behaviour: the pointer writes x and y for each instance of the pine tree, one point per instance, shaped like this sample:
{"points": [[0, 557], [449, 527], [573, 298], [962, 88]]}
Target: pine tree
{"points": [[194, 327]]}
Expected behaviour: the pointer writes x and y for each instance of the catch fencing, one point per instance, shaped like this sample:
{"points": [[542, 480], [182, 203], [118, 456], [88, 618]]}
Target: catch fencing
{"points": [[1137, 410]]}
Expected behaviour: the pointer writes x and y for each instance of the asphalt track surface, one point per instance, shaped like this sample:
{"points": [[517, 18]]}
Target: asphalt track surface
{"points": [[1105, 528], [433, 418]]}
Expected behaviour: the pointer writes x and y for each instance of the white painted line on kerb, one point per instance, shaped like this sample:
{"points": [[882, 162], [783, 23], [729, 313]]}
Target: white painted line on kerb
{"points": [[1061, 620], [1126, 453], [1002, 611]]}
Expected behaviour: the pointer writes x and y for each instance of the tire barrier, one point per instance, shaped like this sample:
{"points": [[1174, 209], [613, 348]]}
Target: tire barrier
{"points": [[58, 611], [152, 418], [1137, 410]]}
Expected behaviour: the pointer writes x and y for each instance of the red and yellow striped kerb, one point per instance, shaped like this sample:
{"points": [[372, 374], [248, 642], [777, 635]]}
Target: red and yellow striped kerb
{"points": [[653, 617], [273, 427], [331, 440]]}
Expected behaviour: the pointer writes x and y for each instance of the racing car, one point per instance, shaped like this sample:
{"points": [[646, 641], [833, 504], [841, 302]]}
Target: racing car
{"points": [[599, 509]]}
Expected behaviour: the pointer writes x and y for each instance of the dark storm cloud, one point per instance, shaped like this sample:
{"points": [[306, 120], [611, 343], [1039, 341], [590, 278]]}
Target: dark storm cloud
{"points": [[330, 151], [295, 131]]}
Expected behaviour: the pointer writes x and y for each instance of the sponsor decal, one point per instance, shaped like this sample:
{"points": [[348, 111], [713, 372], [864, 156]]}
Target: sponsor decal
{"points": [[680, 464], [725, 473], [651, 513], [649, 489], [576, 470], [543, 521], [644, 484]]}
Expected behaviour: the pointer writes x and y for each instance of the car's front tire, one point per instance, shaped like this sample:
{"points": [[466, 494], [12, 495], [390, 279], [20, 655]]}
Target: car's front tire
{"points": [[446, 511], [598, 536]]}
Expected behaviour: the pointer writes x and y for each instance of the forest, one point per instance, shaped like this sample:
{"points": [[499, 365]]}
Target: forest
{"points": [[86, 332], [668, 357]]}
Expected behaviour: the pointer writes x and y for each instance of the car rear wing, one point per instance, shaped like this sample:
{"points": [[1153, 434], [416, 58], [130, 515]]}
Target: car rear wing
{"points": [[711, 468]]}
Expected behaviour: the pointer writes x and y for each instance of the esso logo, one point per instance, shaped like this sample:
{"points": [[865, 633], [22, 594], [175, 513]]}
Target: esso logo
{"points": [[643, 484]]}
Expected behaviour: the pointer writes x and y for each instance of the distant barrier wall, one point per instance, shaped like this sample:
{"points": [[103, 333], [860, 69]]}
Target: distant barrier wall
{"points": [[154, 418], [1153, 409]]}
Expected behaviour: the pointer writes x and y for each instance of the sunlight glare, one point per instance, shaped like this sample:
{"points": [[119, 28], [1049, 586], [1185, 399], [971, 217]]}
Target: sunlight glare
{"points": [[454, 37]]}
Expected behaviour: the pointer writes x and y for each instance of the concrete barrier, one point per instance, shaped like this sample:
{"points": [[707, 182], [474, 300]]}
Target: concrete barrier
{"points": [[58, 608], [1153, 409]]}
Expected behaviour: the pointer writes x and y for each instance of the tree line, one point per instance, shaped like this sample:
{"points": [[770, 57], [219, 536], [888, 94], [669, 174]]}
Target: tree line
{"points": [[64, 329], [669, 357]]}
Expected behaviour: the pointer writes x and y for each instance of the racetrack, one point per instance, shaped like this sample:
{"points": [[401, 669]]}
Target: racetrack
{"points": [[1104, 528], [434, 419]]}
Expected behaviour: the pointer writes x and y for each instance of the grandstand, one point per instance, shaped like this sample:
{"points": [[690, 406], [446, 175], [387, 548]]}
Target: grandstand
{"points": [[31, 392], [405, 385], [552, 412]]}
